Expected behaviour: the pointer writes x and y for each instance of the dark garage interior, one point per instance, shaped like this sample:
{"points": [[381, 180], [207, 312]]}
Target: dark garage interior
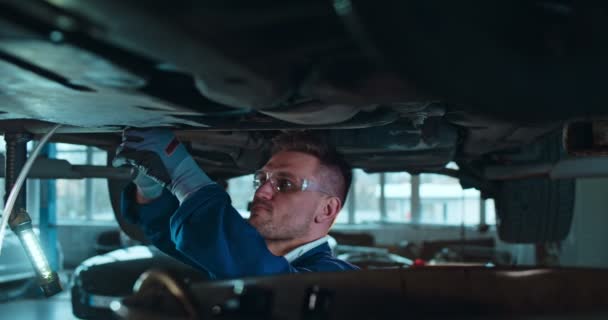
{"points": [[462, 170]]}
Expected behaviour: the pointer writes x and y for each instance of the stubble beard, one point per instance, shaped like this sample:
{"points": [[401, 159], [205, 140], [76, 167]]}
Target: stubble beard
{"points": [[263, 224], [270, 231]]}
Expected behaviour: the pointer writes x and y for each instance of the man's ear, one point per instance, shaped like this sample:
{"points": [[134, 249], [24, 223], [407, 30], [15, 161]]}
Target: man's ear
{"points": [[329, 210]]}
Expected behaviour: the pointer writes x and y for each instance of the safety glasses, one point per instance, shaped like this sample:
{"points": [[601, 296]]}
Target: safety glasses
{"points": [[284, 182]]}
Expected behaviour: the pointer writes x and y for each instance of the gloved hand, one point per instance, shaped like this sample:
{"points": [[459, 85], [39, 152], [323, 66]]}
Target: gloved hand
{"points": [[149, 188], [157, 154]]}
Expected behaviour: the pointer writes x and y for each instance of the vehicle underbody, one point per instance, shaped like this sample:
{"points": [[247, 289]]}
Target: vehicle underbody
{"points": [[229, 75]]}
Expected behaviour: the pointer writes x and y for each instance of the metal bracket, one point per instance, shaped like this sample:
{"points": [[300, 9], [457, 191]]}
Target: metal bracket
{"points": [[62, 169]]}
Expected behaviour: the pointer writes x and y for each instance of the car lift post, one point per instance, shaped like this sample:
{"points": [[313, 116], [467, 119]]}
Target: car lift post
{"points": [[16, 155], [48, 212]]}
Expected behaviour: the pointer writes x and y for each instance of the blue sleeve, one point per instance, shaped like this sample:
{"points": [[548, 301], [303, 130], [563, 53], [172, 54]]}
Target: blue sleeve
{"points": [[208, 233], [208, 230], [153, 219]]}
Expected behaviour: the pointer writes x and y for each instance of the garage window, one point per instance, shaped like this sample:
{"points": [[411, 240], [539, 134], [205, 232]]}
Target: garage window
{"points": [[76, 200], [85, 199], [397, 198]]}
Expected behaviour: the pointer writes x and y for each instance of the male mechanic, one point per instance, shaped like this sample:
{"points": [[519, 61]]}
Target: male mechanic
{"points": [[299, 193]]}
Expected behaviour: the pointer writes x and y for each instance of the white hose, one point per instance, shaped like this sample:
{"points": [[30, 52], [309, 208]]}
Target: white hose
{"points": [[12, 197]]}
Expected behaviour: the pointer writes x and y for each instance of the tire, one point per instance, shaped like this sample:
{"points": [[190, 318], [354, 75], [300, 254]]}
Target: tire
{"points": [[534, 210], [82, 310]]}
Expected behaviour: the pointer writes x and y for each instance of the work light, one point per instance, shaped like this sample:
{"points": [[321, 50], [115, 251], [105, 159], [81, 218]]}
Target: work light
{"points": [[21, 223]]}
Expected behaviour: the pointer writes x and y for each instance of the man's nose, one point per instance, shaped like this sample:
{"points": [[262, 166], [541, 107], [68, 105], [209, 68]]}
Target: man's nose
{"points": [[265, 191]]}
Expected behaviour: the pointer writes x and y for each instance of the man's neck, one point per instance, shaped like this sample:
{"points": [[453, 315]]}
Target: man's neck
{"points": [[282, 247]]}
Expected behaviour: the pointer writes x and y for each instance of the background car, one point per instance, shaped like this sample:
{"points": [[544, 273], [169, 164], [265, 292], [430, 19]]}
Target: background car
{"points": [[102, 279]]}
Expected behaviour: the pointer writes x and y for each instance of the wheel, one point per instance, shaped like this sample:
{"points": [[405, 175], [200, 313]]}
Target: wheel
{"points": [[534, 210]]}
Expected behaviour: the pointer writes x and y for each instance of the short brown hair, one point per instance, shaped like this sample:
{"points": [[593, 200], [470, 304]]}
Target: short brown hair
{"points": [[339, 175]]}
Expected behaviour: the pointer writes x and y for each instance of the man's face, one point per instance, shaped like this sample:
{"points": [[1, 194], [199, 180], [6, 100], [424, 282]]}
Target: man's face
{"points": [[286, 216]]}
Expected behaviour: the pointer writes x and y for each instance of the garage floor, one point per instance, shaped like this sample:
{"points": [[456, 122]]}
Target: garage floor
{"points": [[54, 308]]}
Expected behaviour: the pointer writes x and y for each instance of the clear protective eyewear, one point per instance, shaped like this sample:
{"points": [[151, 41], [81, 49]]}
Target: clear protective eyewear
{"points": [[284, 182]]}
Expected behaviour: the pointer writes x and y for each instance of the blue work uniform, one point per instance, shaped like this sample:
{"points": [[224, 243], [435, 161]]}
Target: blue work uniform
{"points": [[209, 234]]}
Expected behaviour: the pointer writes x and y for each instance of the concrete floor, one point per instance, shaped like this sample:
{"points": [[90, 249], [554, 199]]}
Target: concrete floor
{"points": [[54, 308]]}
